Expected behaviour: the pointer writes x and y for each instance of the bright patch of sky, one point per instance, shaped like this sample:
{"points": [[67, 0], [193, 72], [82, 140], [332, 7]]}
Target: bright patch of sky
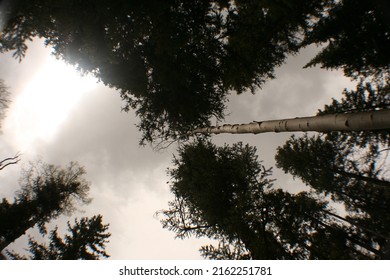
{"points": [[59, 116], [45, 103]]}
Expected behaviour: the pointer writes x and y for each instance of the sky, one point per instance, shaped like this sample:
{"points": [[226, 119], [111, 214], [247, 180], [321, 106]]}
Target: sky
{"points": [[58, 116]]}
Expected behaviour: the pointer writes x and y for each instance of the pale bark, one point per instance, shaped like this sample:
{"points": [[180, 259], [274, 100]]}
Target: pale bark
{"points": [[370, 120]]}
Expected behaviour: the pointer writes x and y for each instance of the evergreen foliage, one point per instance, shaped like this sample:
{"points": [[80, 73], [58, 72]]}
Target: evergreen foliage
{"points": [[350, 167], [47, 191], [357, 37], [174, 62], [225, 193], [86, 240]]}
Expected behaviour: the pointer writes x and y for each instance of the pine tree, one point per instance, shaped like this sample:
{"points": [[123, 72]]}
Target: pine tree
{"points": [[174, 62], [349, 167], [357, 38], [47, 191], [225, 193], [86, 241]]}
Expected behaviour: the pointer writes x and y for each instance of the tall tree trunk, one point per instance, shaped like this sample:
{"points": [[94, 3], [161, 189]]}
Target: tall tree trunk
{"points": [[352, 239], [370, 180], [5, 244], [9, 239], [254, 243], [352, 222], [369, 120]]}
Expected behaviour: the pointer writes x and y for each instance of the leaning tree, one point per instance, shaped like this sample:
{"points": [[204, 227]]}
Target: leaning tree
{"points": [[86, 240], [46, 192], [363, 114]]}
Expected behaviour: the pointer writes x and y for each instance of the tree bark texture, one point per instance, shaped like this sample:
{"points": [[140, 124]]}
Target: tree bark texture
{"points": [[369, 120]]}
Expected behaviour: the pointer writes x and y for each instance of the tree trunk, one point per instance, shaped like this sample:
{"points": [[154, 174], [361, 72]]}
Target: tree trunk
{"points": [[352, 222], [369, 180], [352, 239], [4, 244], [9, 239], [370, 120]]}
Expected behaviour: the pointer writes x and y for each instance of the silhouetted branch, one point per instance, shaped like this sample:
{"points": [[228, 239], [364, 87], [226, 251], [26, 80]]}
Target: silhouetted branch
{"points": [[8, 161]]}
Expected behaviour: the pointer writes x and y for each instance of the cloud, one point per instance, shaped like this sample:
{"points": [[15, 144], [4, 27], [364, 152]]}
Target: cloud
{"points": [[296, 92], [128, 181]]}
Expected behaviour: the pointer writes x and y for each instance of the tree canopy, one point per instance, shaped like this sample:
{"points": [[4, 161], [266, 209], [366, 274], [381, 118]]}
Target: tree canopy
{"points": [[86, 241], [47, 191], [346, 176], [357, 34], [226, 194], [351, 167], [367, 96], [175, 62]]}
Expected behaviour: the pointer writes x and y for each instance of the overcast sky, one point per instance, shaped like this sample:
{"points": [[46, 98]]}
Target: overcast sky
{"points": [[58, 116]]}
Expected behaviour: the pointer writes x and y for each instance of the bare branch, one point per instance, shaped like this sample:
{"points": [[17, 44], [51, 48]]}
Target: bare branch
{"points": [[11, 160]]}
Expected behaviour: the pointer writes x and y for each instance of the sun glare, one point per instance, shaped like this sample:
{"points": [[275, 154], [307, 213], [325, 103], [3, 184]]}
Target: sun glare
{"points": [[45, 103]]}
